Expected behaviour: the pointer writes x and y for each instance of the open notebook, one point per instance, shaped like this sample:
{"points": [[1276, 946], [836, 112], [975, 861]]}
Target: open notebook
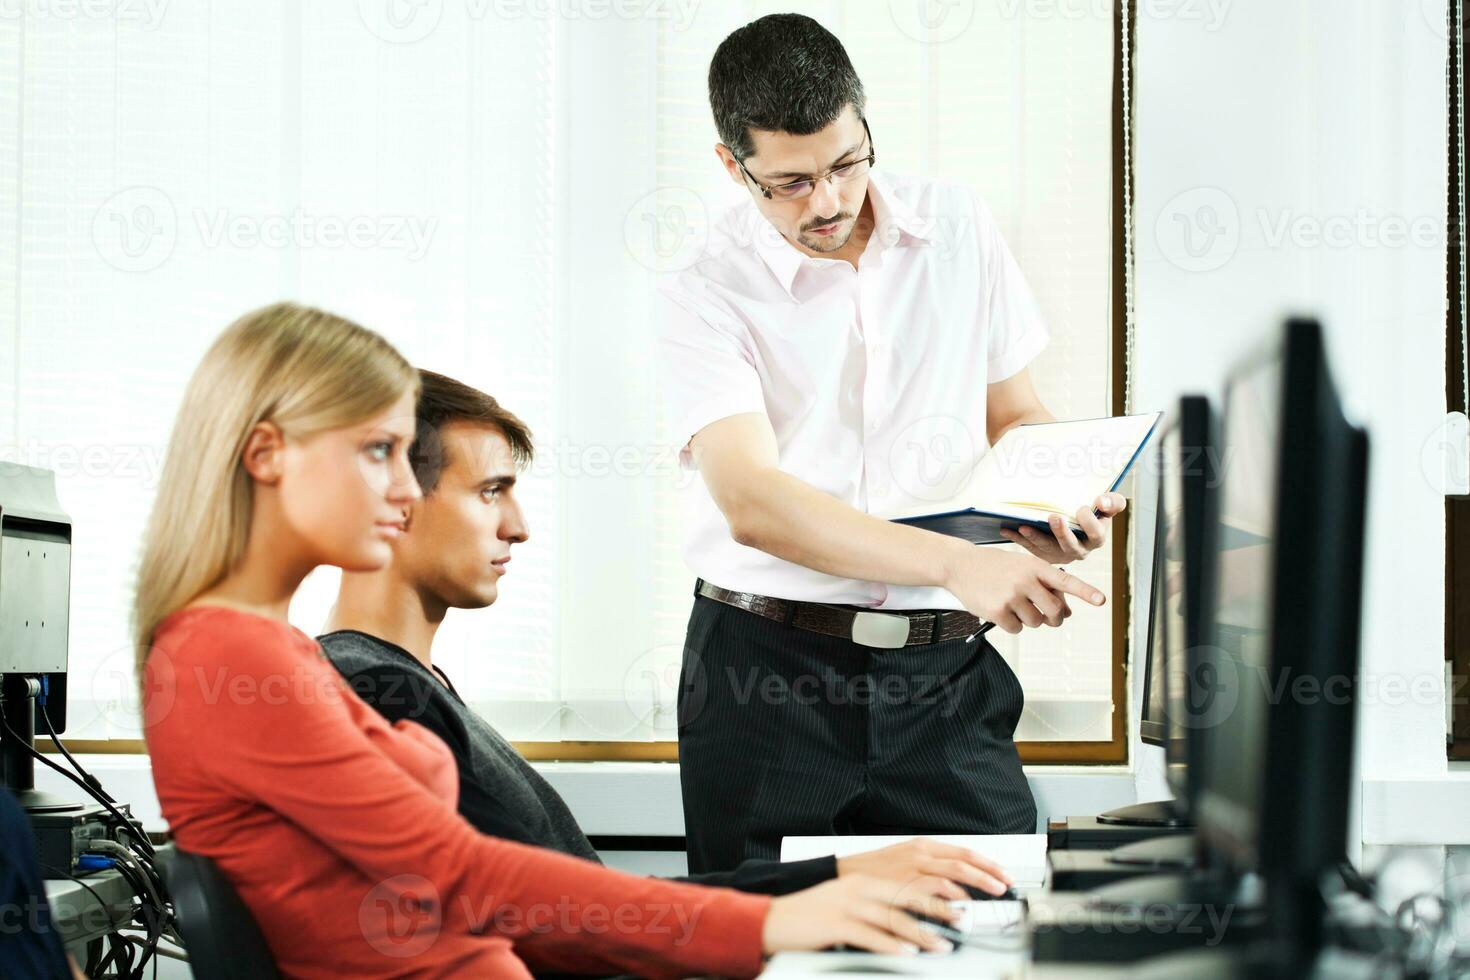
{"points": [[1023, 856], [1038, 470]]}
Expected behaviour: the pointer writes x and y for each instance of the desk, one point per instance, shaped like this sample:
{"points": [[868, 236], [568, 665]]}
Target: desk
{"points": [[968, 963], [994, 951], [982, 957], [80, 916]]}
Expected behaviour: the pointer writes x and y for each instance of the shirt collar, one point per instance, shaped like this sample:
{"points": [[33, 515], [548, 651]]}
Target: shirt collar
{"points": [[893, 219], [892, 212]]}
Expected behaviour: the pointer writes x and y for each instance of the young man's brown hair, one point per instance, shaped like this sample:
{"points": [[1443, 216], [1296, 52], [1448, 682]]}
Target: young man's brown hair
{"points": [[444, 400]]}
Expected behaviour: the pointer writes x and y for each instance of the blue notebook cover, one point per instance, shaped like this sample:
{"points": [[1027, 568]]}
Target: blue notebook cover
{"points": [[977, 526]]}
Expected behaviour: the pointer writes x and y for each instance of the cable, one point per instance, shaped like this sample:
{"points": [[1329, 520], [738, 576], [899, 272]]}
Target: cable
{"points": [[173, 951], [1418, 938], [117, 815], [92, 780], [1353, 879], [119, 951], [136, 869], [140, 875], [112, 924], [119, 851], [158, 923]]}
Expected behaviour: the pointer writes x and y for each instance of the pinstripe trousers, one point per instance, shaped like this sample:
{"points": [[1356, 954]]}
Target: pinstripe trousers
{"points": [[787, 732]]}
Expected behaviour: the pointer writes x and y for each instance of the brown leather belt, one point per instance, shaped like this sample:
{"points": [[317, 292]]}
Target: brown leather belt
{"points": [[886, 630]]}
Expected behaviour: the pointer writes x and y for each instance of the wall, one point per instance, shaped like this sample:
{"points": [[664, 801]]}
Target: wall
{"points": [[1291, 157]]}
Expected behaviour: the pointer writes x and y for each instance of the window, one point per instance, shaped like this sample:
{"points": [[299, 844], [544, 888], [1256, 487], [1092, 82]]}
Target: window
{"points": [[495, 188]]}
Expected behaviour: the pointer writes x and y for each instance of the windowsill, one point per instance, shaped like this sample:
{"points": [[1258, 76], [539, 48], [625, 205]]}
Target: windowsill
{"points": [[1428, 809], [631, 799], [642, 799]]}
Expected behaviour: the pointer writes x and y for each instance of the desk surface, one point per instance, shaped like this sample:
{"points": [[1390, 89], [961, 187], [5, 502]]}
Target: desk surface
{"points": [[994, 949], [83, 912], [969, 963], [999, 946]]}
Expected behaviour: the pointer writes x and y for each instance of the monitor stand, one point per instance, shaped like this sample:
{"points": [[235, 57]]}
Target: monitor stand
{"points": [[36, 801], [1176, 890], [1160, 813], [17, 766], [1173, 853]]}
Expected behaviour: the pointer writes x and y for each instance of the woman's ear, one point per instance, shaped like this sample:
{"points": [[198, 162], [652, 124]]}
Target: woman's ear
{"points": [[264, 448]]}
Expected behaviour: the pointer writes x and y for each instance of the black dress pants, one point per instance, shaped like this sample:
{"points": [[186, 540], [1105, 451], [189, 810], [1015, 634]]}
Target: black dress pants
{"points": [[787, 732]]}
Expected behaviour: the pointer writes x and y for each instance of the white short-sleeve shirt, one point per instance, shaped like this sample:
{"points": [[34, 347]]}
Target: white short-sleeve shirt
{"points": [[874, 379]]}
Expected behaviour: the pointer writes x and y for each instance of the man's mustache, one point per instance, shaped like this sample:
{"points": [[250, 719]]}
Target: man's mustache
{"points": [[824, 222]]}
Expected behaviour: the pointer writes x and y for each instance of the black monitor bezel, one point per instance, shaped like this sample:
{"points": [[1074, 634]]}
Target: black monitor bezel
{"points": [[1275, 837], [1199, 480], [1153, 731]]}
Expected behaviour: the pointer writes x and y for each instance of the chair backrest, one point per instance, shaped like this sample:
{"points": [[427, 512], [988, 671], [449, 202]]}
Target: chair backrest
{"points": [[220, 934]]}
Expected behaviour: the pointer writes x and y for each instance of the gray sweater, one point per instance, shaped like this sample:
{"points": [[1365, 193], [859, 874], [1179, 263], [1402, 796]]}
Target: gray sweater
{"points": [[499, 792]]}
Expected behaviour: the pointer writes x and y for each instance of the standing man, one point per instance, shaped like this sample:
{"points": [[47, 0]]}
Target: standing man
{"points": [[832, 680]]}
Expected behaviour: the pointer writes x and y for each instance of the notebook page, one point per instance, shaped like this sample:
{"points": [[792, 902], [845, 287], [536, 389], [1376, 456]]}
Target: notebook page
{"points": [[1057, 466], [1050, 467]]}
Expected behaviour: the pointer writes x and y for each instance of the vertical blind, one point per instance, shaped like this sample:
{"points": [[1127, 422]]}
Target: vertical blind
{"points": [[496, 189]]}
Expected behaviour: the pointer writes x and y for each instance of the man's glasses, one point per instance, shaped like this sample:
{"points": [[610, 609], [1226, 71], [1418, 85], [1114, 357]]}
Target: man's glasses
{"points": [[795, 190]]}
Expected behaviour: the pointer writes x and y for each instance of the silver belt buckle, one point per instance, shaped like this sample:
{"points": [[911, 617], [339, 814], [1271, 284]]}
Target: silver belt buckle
{"points": [[883, 630]]}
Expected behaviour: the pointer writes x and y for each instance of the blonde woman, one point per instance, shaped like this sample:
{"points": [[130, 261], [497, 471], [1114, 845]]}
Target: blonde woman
{"points": [[338, 829]]}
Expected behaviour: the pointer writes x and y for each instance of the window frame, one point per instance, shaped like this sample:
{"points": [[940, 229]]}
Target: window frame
{"points": [[1456, 509]]}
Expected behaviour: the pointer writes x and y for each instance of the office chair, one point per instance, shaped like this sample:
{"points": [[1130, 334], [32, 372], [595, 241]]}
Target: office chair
{"points": [[220, 934]]}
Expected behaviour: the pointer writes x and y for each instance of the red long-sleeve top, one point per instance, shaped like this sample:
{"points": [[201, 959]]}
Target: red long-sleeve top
{"points": [[340, 833]]}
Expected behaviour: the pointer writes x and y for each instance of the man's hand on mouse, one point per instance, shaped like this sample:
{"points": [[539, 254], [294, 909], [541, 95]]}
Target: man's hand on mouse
{"points": [[924, 858]]}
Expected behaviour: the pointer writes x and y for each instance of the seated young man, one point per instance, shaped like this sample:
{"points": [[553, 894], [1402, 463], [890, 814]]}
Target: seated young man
{"points": [[29, 943], [451, 554]]}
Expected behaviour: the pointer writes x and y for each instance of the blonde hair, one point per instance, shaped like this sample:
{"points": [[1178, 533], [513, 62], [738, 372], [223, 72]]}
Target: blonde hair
{"points": [[300, 368]]}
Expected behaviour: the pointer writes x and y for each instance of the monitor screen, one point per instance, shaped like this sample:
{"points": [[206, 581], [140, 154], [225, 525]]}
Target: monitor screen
{"points": [[1153, 723], [1188, 481], [1175, 563], [1275, 784], [1239, 658]]}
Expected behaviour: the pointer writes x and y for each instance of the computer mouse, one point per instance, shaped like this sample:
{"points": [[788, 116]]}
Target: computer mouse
{"points": [[1009, 895], [945, 929]]}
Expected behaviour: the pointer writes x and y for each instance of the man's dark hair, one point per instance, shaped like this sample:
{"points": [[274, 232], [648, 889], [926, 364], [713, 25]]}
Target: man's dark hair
{"points": [[443, 401], [784, 73]]}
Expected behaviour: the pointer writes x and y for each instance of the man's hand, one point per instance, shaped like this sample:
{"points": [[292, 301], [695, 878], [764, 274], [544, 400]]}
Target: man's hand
{"points": [[775, 512], [921, 858], [1014, 591], [1063, 546], [856, 910]]}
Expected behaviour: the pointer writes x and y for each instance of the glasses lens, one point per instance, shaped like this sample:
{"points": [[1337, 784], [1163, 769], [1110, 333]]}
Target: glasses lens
{"points": [[792, 191], [801, 188]]}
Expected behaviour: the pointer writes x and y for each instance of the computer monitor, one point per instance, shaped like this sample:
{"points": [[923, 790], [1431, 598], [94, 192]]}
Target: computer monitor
{"points": [[1285, 578], [35, 597], [1186, 471], [1305, 831], [1153, 720], [1189, 480]]}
